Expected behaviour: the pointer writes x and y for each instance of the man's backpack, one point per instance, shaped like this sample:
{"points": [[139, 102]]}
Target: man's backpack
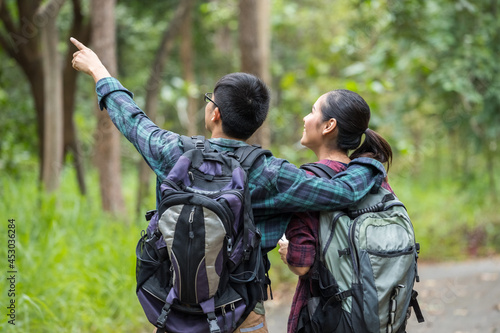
{"points": [[199, 263], [363, 278]]}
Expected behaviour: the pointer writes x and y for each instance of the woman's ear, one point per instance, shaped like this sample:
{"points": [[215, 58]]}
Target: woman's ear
{"points": [[330, 126]]}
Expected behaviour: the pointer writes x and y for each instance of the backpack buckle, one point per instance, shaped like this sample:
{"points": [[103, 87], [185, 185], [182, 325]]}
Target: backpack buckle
{"points": [[212, 323], [199, 144], [344, 252], [162, 319], [342, 295], [149, 214]]}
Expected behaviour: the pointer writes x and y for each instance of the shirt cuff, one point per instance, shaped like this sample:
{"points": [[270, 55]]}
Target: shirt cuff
{"points": [[106, 86], [301, 255]]}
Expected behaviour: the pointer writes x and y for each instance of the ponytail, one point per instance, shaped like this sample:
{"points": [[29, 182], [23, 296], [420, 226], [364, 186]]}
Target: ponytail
{"points": [[353, 116], [374, 146]]}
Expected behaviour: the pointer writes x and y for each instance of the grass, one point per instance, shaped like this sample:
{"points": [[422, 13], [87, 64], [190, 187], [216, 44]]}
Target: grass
{"points": [[76, 265], [450, 222]]}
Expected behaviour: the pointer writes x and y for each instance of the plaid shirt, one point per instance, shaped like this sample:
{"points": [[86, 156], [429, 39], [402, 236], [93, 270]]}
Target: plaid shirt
{"points": [[277, 187]]}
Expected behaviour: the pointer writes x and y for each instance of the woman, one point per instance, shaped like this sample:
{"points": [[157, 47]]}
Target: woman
{"points": [[336, 125]]}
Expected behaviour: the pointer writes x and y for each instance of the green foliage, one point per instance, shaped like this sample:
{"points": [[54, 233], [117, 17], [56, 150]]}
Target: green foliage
{"points": [[75, 264], [18, 144], [428, 70], [437, 61], [279, 272], [450, 220]]}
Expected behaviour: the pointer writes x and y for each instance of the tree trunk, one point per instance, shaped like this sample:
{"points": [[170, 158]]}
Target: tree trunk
{"points": [[21, 41], [187, 55], [81, 31], [53, 116], [107, 145], [154, 83], [490, 168], [36, 82], [255, 45]]}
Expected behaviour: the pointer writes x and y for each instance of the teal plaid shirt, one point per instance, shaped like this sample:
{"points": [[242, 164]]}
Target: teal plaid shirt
{"points": [[278, 188]]}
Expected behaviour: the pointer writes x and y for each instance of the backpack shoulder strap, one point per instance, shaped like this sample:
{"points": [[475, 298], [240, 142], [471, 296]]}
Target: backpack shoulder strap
{"points": [[247, 155], [197, 141], [319, 170]]}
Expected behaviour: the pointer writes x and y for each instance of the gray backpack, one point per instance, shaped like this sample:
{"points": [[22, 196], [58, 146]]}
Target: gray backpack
{"points": [[366, 267]]}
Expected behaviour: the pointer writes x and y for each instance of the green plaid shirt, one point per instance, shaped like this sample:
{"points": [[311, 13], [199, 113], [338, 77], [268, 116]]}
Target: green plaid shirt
{"points": [[278, 188]]}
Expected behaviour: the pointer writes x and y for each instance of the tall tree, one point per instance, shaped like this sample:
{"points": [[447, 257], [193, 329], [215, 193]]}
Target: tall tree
{"points": [[26, 30], [107, 144], [255, 45], [52, 83], [80, 29]]}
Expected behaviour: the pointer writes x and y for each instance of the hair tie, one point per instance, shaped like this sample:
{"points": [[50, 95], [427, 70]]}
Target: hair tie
{"points": [[366, 130]]}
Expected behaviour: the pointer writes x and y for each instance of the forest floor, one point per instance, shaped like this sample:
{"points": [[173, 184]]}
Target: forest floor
{"points": [[455, 297]]}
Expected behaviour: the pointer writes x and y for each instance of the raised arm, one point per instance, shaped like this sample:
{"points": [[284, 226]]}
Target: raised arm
{"points": [[158, 147], [290, 189]]}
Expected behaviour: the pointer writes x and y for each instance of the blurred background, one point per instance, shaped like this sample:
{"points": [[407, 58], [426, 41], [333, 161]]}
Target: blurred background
{"points": [[77, 190]]}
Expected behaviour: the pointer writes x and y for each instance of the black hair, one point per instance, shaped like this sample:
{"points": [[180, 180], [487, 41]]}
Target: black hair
{"points": [[243, 101], [352, 114]]}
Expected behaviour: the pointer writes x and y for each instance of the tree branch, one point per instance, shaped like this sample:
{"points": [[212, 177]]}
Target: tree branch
{"points": [[12, 40], [77, 9], [6, 45], [166, 44], [50, 9], [7, 19]]}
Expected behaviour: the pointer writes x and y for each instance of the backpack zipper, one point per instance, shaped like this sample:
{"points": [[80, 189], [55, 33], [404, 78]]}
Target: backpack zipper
{"points": [[236, 193], [190, 244], [152, 294], [175, 199], [191, 219]]}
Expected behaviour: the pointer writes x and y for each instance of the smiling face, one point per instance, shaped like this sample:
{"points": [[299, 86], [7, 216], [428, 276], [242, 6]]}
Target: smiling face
{"points": [[312, 137]]}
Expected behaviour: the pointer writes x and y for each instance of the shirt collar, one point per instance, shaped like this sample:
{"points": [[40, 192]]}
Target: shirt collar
{"points": [[229, 143]]}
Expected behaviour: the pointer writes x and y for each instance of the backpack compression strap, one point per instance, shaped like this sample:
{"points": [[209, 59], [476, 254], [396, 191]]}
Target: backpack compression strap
{"points": [[197, 141], [320, 170], [247, 155], [323, 171], [416, 306]]}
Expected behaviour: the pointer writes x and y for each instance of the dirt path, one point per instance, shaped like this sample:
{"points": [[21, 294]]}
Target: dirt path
{"points": [[461, 297]]}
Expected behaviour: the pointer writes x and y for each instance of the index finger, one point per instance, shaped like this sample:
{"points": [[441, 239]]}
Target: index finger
{"points": [[77, 43]]}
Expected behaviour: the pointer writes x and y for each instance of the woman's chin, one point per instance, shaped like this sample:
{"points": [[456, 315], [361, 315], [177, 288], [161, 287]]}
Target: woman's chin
{"points": [[304, 143]]}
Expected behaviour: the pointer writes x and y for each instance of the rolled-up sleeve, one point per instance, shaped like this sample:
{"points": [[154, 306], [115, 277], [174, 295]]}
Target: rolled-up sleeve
{"points": [[302, 239]]}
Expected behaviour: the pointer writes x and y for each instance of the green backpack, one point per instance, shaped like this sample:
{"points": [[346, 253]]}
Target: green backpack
{"points": [[366, 267]]}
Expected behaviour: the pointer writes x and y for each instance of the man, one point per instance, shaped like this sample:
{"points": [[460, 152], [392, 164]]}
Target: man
{"points": [[236, 109]]}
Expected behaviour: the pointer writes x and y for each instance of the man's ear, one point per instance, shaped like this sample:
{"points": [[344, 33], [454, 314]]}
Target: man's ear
{"points": [[331, 125], [215, 115]]}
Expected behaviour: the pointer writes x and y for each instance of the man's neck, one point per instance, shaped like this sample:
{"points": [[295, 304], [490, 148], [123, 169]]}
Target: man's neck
{"points": [[222, 135]]}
